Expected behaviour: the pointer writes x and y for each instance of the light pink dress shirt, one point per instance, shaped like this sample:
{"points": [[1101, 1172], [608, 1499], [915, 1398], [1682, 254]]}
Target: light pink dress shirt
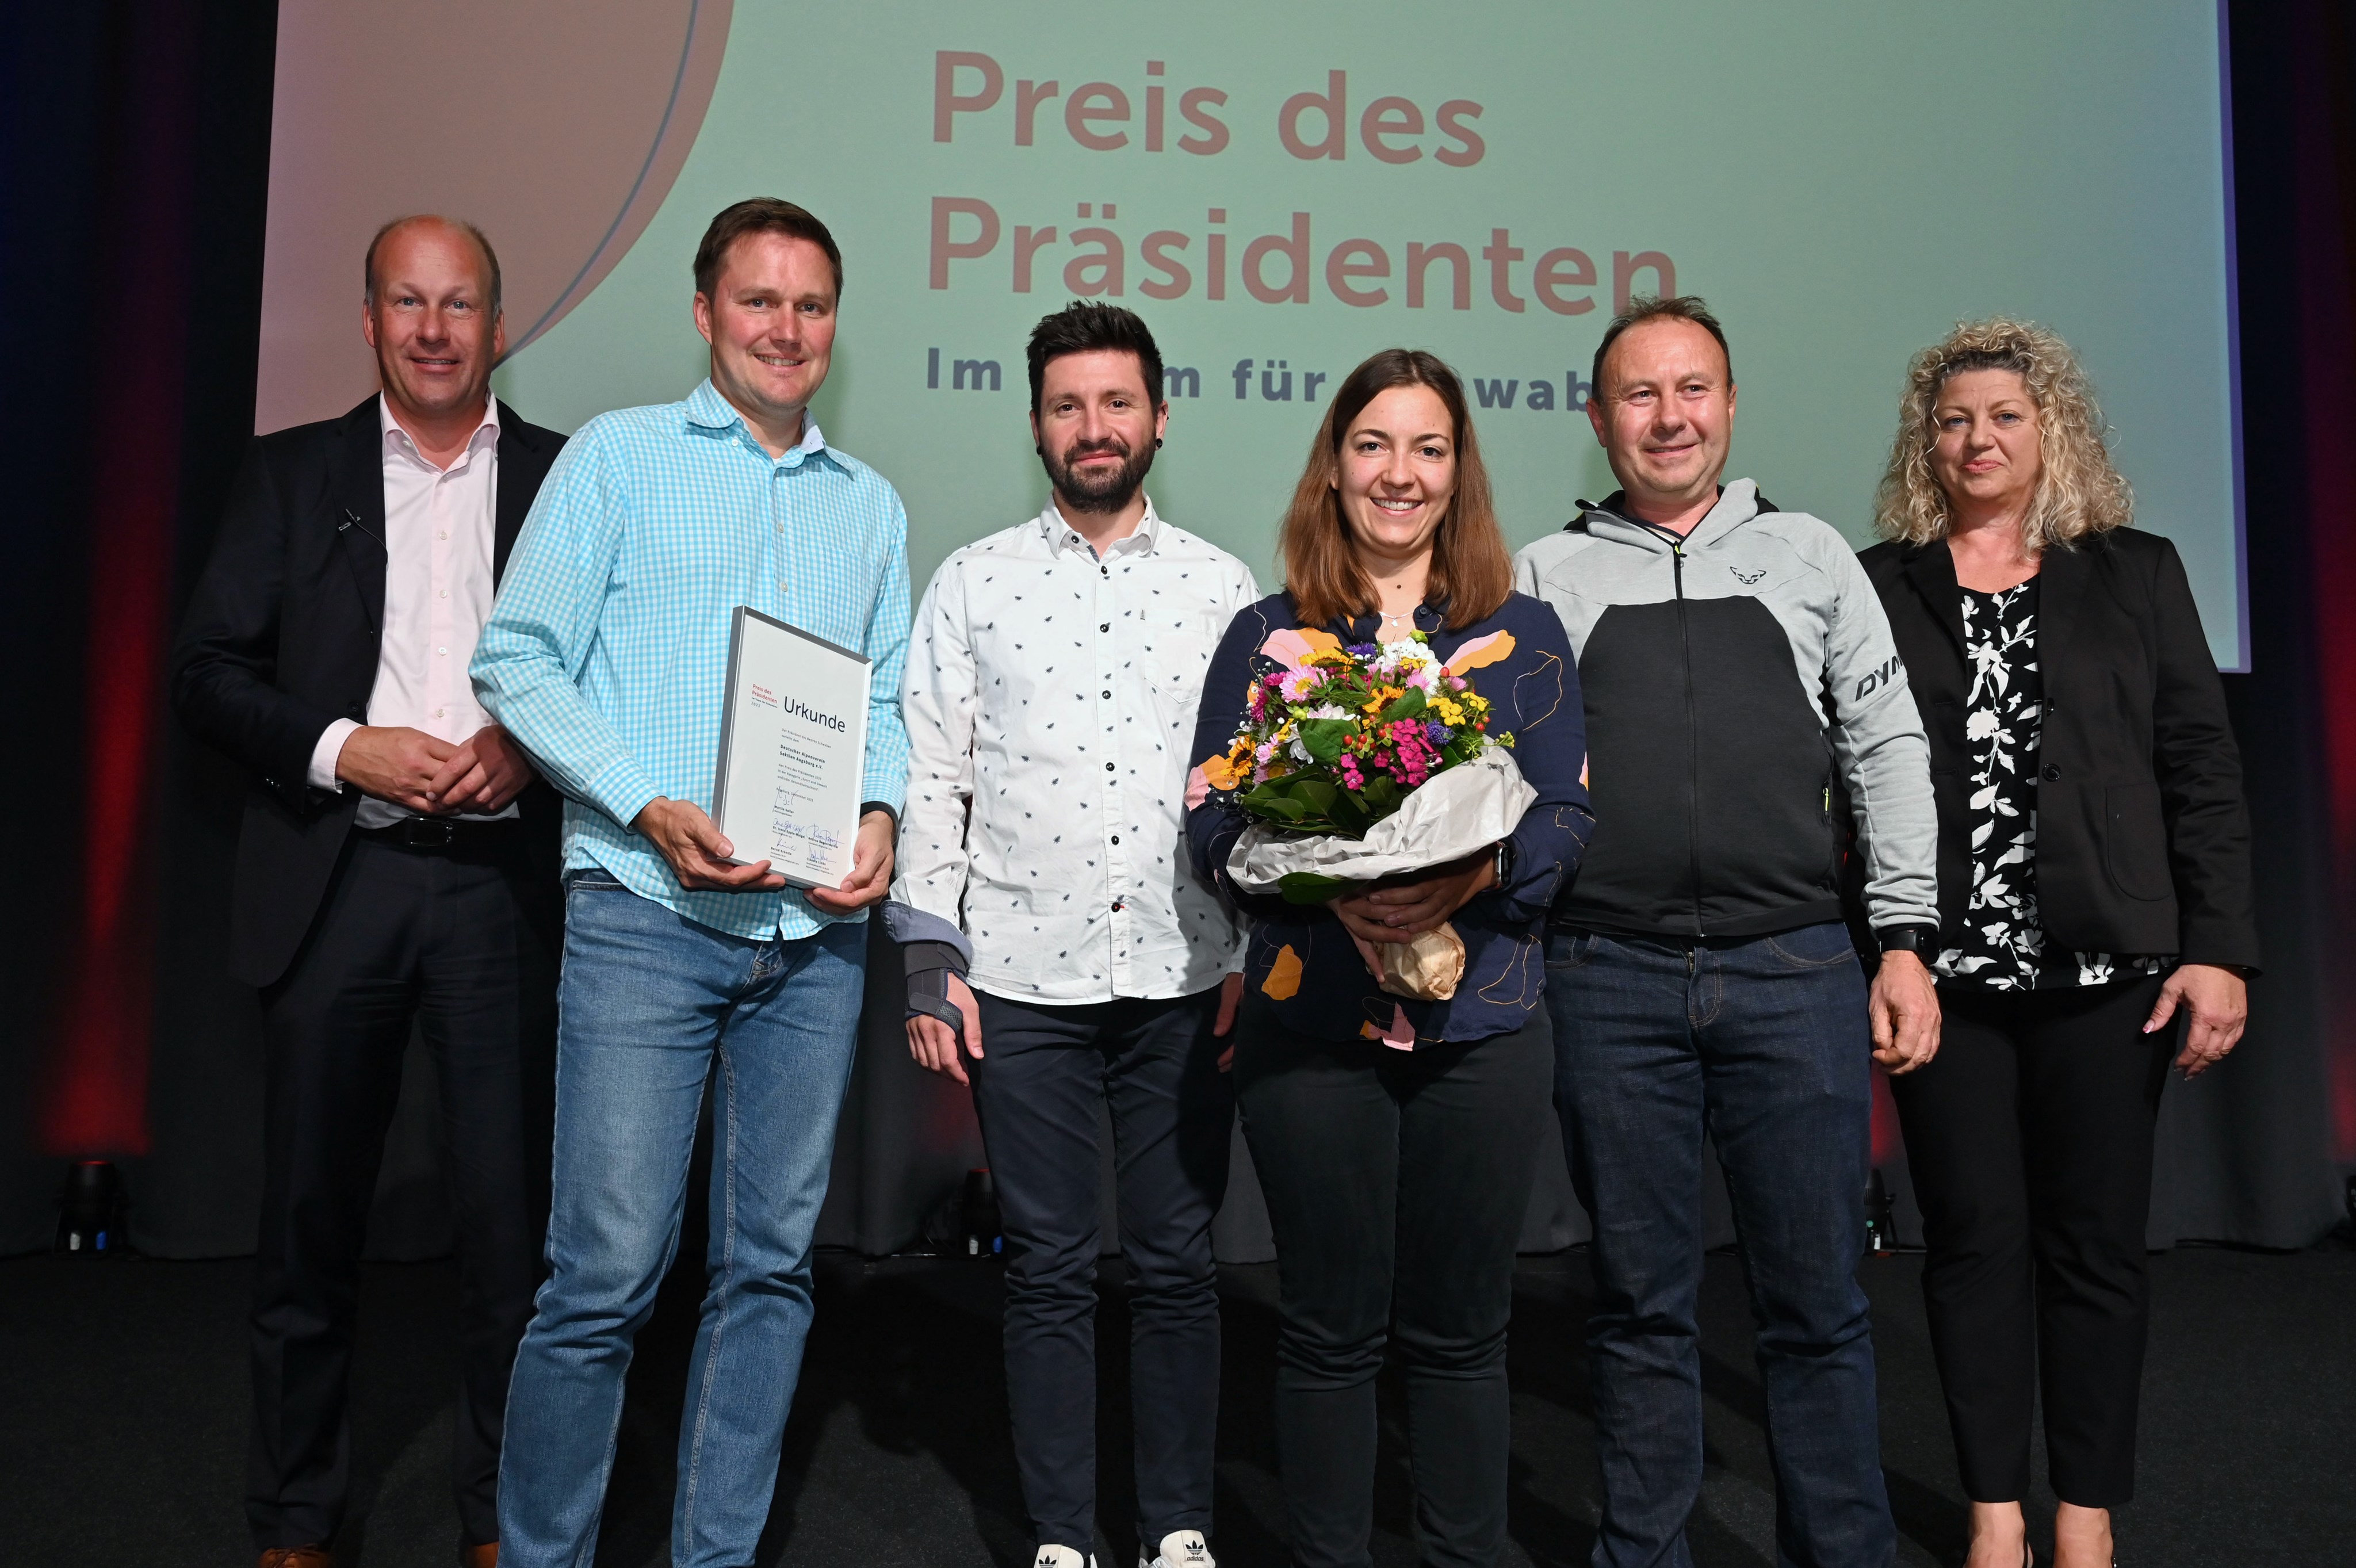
{"points": [[438, 527]]}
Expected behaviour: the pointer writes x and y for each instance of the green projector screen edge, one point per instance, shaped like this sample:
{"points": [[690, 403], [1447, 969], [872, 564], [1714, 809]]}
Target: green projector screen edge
{"points": [[1834, 227]]}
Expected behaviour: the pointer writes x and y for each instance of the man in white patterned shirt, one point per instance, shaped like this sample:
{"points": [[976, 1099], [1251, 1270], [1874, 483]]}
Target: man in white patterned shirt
{"points": [[1054, 673]]}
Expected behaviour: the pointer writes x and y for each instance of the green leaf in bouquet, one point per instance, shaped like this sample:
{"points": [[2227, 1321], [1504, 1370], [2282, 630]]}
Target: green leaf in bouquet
{"points": [[1315, 795], [1405, 707], [1273, 801], [1382, 794], [1309, 886], [1342, 819], [1324, 737]]}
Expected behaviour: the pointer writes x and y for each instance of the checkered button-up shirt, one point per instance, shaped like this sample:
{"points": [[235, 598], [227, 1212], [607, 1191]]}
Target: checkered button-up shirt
{"points": [[608, 652], [1052, 697]]}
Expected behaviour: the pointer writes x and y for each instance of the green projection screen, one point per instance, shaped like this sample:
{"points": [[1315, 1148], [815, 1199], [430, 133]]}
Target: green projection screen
{"points": [[1281, 189]]}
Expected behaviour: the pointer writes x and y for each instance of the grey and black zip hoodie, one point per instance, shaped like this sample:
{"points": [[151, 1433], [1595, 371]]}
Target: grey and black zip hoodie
{"points": [[1738, 682]]}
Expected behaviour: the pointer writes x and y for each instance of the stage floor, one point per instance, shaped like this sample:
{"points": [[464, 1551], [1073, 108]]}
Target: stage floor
{"points": [[122, 1421]]}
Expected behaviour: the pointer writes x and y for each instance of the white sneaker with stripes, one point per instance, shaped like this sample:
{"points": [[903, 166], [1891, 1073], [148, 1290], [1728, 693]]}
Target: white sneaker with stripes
{"points": [[1180, 1548]]}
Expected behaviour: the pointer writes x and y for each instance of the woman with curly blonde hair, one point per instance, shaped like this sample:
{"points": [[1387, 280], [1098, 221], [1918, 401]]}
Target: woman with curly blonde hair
{"points": [[2093, 884], [2074, 490]]}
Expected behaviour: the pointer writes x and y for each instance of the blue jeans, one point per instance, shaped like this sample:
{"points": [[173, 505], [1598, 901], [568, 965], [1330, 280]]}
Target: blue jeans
{"points": [[1763, 1045], [648, 1001]]}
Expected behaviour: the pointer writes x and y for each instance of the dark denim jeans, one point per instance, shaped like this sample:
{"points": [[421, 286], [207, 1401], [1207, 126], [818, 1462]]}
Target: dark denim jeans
{"points": [[1037, 1089], [1762, 1045], [1396, 1183]]}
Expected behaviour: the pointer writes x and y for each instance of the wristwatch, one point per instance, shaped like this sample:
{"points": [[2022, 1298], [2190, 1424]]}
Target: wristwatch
{"points": [[1504, 860], [1920, 940]]}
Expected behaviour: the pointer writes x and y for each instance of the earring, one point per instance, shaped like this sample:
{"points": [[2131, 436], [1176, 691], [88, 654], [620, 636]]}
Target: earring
{"points": [[1157, 444]]}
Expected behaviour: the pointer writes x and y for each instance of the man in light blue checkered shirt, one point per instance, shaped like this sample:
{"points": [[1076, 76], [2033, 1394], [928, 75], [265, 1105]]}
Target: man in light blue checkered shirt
{"points": [[605, 656]]}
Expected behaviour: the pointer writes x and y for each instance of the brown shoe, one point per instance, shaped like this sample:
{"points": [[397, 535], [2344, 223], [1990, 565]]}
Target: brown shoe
{"points": [[311, 1556], [483, 1556]]}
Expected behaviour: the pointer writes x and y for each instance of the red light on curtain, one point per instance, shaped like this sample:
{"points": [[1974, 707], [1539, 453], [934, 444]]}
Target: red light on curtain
{"points": [[2326, 232], [97, 1092], [1888, 1143], [98, 1101], [2331, 526]]}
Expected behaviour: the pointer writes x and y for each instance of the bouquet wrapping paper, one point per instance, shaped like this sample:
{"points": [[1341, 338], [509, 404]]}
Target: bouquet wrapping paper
{"points": [[1455, 814]]}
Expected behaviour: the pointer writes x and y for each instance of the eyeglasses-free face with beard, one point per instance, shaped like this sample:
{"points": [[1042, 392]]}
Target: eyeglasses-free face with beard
{"points": [[1097, 431]]}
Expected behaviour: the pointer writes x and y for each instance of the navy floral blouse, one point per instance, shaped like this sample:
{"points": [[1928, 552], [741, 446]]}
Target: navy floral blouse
{"points": [[1301, 957], [2002, 945]]}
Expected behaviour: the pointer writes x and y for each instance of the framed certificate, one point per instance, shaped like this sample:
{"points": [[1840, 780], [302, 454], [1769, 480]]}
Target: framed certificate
{"points": [[793, 750]]}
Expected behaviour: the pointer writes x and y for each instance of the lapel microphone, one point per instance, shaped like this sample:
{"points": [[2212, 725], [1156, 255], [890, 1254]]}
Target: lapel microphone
{"points": [[352, 520]]}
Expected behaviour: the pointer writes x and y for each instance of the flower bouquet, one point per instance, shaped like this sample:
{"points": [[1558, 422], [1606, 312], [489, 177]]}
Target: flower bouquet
{"points": [[1361, 762]]}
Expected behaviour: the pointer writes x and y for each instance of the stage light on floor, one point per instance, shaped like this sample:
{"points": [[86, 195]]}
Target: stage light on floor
{"points": [[981, 1216], [87, 1213], [1881, 1210]]}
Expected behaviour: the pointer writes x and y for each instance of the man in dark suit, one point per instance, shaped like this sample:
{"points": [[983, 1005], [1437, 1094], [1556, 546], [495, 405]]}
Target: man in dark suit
{"points": [[397, 864]]}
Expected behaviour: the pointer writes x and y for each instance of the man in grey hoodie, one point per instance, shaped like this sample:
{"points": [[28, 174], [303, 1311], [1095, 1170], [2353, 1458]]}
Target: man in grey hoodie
{"points": [[1748, 723]]}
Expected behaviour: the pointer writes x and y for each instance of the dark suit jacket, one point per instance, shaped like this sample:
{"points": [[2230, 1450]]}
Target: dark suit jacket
{"points": [[280, 640], [2143, 841]]}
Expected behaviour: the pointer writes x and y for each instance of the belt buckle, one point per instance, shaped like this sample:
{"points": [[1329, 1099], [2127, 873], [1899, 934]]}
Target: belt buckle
{"points": [[429, 832]]}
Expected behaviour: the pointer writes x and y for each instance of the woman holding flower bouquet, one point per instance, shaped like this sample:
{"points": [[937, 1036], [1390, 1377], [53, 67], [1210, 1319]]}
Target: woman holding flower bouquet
{"points": [[1391, 785]]}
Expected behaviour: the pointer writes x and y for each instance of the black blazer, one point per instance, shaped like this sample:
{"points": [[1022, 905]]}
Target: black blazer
{"points": [[2143, 841], [280, 640]]}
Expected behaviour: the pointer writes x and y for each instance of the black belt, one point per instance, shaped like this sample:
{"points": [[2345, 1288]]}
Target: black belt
{"points": [[443, 832]]}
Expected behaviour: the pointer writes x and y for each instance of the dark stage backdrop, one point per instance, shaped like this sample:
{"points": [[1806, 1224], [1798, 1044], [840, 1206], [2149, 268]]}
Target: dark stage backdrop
{"points": [[131, 190]]}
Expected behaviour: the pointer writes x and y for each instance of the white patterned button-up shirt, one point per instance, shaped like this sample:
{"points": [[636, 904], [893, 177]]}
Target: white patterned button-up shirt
{"points": [[1051, 698]]}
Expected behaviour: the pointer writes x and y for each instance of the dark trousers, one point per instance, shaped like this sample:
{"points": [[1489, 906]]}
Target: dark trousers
{"points": [[1396, 1184], [1037, 1089], [2029, 1140], [465, 942], [1762, 1045]]}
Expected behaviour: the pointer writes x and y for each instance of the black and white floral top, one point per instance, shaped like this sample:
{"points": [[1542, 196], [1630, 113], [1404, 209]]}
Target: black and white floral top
{"points": [[2001, 945]]}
